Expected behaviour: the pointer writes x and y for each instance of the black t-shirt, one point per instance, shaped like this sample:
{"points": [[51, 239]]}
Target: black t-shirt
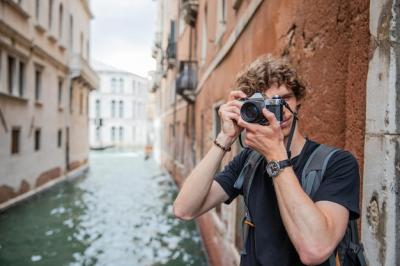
{"points": [[268, 243]]}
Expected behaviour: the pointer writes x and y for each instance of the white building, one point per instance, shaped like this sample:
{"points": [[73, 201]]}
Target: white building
{"points": [[118, 109], [45, 80]]}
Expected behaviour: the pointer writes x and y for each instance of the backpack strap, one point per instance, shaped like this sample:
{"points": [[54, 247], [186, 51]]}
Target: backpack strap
{"points": [[315, 168], [350, 247], [249, 169], [244, 182]]}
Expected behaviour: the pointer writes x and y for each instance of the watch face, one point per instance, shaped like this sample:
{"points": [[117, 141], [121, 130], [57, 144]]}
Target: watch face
{"points": [[273, 168]]}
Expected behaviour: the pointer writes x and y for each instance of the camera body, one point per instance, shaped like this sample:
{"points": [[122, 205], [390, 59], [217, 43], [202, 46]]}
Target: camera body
{"points": [[251, 110]]}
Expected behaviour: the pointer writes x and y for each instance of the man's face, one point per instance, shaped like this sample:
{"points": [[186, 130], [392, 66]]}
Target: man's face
{"points": [[290, 98]]}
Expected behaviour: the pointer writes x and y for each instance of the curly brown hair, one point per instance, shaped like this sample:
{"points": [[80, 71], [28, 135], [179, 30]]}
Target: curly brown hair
{"points": [[267, 71]]}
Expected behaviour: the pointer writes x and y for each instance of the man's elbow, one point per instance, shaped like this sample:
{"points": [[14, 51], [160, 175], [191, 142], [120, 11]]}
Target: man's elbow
{"points": [[314, 255], [180, 213]]}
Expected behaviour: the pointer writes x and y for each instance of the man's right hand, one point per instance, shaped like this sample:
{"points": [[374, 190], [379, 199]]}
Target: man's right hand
{"points": [[230, 114]]}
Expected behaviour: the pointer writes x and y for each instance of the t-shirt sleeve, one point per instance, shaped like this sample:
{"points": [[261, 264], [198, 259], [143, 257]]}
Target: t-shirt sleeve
{"points": [[341, 183], [227, 177]]}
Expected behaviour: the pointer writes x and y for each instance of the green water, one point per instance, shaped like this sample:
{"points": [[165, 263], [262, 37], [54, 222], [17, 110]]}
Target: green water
{"points": [[120, 213]]}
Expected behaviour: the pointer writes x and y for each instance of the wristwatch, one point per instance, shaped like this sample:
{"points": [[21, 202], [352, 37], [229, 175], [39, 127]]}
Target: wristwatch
{"points": [[274, 167]]}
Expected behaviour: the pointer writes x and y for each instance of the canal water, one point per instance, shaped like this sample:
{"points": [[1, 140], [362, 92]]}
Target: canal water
{"points": [[120, 213]]}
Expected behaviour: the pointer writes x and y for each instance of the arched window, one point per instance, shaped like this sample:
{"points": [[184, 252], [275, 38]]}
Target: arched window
{"points": [[60, 22], [50, 13], [121, 85], [112, 108], [113, 84], [121, 109], [121, 133], [98, 108], [113, 134]]}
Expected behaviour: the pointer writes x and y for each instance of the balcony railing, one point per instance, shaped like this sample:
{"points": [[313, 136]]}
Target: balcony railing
{"points": [[186, 81], [189, 11]]}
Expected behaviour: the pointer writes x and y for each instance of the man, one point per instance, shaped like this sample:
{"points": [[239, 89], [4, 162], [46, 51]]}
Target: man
{"points": [[290, 228]]}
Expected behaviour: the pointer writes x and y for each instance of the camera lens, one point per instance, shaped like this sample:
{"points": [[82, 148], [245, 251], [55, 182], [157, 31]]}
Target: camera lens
{"points": [[250, 112]]}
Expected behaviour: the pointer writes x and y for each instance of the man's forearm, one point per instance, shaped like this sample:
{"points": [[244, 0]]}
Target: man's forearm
{"points": [[308, 228], [197, 185]]}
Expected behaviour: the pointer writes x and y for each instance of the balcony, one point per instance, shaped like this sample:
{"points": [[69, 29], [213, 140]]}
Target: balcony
{"points": [[189, 11], [81, 70], [186, 81]]}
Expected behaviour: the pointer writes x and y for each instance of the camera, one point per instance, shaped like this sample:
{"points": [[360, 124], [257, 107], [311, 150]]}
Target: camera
{"points": [[251, 110]]}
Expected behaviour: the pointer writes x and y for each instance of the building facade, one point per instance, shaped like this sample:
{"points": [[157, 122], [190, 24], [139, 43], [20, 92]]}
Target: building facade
{"points": [[346, 51], [45, 80], [118, 109]]}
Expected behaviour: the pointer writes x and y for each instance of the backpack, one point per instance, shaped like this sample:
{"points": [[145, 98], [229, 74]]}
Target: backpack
{"points": [[350, 251]]}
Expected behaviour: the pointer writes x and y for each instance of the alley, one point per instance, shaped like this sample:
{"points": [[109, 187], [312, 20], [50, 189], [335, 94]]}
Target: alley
{"points": [[120, 213]]}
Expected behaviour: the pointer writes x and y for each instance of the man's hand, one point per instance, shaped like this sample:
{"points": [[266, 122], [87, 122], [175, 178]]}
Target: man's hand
{"points": [[266, 139], [230, 114]]}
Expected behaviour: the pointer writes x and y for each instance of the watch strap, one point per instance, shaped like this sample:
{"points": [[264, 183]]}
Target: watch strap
{"points": [[284, 163]]}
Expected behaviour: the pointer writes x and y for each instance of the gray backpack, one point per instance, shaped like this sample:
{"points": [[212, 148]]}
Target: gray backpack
{"points": [[350, 251]]}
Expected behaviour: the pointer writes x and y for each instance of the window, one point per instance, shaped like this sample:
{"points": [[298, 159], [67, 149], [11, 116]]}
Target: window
{"points": [[60, 91], [81, 46], [113, 134], [71, 95], [87, 50], [59, 138], [121, 133], [37, 9], [38, 84], [21, 79], [221, 20], [113, 85], [37, 139], [81, 103], [71, 33], [112, 108], [98, 133], [11, 71], [50, 13], [15, 138], [60, 22], [134, 87], [121, 109], [121, 85], [204, 38], [98, 108]]}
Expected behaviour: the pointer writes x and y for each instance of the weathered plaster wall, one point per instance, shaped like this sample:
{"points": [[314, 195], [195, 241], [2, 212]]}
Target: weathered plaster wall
{"points": [[380, 221]]}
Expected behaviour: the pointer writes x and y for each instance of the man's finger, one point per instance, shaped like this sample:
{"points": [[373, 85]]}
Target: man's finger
{"points": [[270, 117], [246, 125], [236, 95]]}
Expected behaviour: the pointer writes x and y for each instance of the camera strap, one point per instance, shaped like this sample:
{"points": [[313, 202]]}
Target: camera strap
{"points": [[290, 137]]}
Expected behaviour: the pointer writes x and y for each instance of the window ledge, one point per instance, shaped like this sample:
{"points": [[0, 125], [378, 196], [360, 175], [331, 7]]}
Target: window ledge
{"points": [[60, 109], [236, 4], [51, 37], [17, 7], [40, 28], [62, 46], [38, 104], [14, 97]]}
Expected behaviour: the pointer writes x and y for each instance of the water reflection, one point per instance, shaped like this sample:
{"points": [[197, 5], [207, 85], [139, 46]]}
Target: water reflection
{"points": [[120, 214]]}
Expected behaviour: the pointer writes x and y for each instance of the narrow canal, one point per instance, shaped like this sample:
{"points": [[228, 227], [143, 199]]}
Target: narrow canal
{"points": [[119, 214]]}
